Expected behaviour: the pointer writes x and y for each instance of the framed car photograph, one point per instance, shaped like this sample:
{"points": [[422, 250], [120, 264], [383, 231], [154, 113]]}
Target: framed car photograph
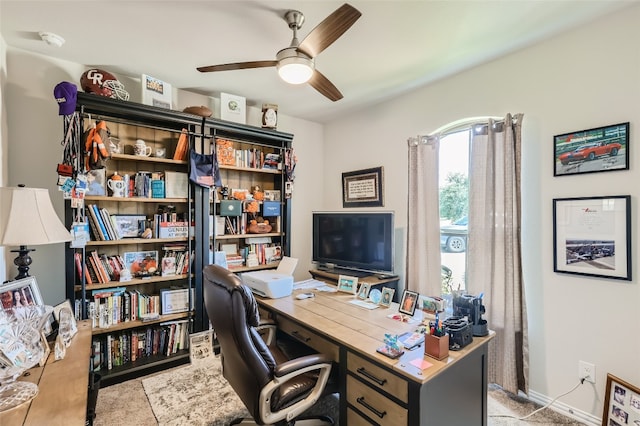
{"points": [[592, 236], [408, 302], [601, 149]]}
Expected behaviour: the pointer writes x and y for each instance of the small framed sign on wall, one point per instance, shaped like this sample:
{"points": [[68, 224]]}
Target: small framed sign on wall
{"points": [[363, 188]]}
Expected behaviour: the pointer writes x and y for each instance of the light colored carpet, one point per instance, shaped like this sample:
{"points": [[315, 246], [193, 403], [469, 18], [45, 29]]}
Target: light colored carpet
{"points": [[199, 396]]}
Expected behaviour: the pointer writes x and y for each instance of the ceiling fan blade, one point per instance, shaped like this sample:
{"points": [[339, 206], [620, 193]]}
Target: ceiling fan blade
{"points": [[238, 66], [329, 30], [322, 84]]}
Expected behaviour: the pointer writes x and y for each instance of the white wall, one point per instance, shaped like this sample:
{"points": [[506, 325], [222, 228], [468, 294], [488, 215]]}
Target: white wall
{"points": [[583, 79], [3, 138], [34, 133]]}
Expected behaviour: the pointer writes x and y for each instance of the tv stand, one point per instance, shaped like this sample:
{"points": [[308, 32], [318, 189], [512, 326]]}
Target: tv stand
{"points": [[344, 271], [375, 280]]}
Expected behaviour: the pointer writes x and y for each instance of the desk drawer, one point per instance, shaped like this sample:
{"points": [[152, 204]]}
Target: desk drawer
{"points": [[309, 338], [355, 419], [378, 377], [380, 408]]}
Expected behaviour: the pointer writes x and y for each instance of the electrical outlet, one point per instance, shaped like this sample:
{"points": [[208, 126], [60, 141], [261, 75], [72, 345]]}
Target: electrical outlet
{"points": [[587, 371]]}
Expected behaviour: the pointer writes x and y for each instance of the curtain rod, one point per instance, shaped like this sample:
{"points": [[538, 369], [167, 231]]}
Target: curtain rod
{"points": [[464, 123]]}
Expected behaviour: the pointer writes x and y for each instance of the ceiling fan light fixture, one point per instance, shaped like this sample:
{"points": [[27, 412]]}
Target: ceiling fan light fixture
{"points": [[295, 70]]}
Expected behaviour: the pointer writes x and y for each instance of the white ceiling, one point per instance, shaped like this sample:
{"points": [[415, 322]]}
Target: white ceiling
{"points": [[394, 47]]}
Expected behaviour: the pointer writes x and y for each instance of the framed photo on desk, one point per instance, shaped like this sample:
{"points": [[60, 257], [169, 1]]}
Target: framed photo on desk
{"points": [[408, 302], [347, 284]]}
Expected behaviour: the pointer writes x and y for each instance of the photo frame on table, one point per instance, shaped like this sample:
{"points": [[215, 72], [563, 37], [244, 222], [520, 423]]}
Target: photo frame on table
{"points": [[601, 149], [363, 291], [24, 293], [621, 403], [592, 236], [128, 225], [20, 293], [387, 297], [67, 325], [363, 188], [408, 302], [347, 284]]}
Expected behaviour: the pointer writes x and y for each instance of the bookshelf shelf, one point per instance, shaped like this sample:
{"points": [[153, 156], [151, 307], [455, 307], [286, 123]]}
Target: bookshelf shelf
{"points": [[133, 282], [123, 241], [242, 236], [138, 158], [252, 170], [135, 324], [143, 366], [135, 199]]}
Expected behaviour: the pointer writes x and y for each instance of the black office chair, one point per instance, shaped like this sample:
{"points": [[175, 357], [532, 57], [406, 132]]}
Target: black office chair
{"points": [[274, 388]]}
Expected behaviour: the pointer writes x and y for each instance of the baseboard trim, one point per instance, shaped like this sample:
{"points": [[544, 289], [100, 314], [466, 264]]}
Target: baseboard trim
{"points": [[565, 409]]}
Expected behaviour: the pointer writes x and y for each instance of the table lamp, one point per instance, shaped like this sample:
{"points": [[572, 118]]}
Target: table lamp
{"points": [[27, 218]]}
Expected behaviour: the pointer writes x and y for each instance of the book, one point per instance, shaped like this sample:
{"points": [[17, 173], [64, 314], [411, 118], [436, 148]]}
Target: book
{"points": [[173, 230], [182, 147], [176, 184], [225, 152], [101, 226], [95, 225]]}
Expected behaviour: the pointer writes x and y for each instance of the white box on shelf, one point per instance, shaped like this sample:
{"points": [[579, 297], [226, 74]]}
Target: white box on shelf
{"points": [[156, 92], [233, 108]]}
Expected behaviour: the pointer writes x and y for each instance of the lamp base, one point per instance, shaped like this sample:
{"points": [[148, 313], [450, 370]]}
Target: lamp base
{"points": [[22, 261]]}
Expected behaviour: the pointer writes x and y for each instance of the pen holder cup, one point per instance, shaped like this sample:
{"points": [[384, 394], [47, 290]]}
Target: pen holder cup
{"points": [[436, 347]]}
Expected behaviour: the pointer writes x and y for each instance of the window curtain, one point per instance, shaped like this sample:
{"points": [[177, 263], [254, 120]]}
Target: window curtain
{"points": [[494, 264], [423, 218]]}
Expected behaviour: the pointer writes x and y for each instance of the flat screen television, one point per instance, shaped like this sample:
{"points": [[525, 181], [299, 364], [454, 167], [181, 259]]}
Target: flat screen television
{"points": [[356, 243]]}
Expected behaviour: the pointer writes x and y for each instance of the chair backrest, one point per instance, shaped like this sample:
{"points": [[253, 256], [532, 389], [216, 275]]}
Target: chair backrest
{"points": [[247, 362]]}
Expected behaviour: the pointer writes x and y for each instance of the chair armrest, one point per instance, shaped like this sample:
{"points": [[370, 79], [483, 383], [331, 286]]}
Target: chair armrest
{"points": [[287, 371], [267, 329], [297, 364]]}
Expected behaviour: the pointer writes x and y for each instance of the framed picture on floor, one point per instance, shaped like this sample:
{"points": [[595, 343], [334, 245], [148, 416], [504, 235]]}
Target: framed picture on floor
{"points": [[592, 236], [621, 403]]}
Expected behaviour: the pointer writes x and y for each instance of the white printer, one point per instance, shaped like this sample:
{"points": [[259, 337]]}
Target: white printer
{"points": [[273, 283]]}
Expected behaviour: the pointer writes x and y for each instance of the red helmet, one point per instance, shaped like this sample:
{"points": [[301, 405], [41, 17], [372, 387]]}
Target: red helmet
{"points": [[103, 83]]}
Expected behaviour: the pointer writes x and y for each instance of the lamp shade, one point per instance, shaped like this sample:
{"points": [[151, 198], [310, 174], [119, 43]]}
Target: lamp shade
{"points": [[27, 218]]}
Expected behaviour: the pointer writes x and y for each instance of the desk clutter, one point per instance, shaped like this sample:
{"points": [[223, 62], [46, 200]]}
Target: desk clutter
{"points": [[439, 337]]}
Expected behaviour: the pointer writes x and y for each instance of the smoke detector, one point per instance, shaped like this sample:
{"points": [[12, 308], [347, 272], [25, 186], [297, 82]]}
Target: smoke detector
{"points": [[51, 39]]}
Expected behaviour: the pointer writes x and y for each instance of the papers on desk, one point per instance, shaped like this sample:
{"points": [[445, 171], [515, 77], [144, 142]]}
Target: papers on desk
{"points": [[312, 284], [364, 304]]}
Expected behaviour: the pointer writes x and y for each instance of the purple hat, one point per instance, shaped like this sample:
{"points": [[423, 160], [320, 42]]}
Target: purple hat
{"points": [[66, 94]]}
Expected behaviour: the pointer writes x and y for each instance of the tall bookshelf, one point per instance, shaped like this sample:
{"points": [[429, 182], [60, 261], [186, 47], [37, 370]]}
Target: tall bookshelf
{"points": [[197, 206]]}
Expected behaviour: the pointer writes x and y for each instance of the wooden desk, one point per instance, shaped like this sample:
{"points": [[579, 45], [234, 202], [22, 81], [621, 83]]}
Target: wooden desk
{"points": [[373, 280], [62, 387], [377, 389]]}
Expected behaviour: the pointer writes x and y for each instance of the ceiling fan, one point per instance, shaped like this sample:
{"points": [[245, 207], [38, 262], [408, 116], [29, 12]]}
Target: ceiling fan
{"points": [[296, 64]]}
